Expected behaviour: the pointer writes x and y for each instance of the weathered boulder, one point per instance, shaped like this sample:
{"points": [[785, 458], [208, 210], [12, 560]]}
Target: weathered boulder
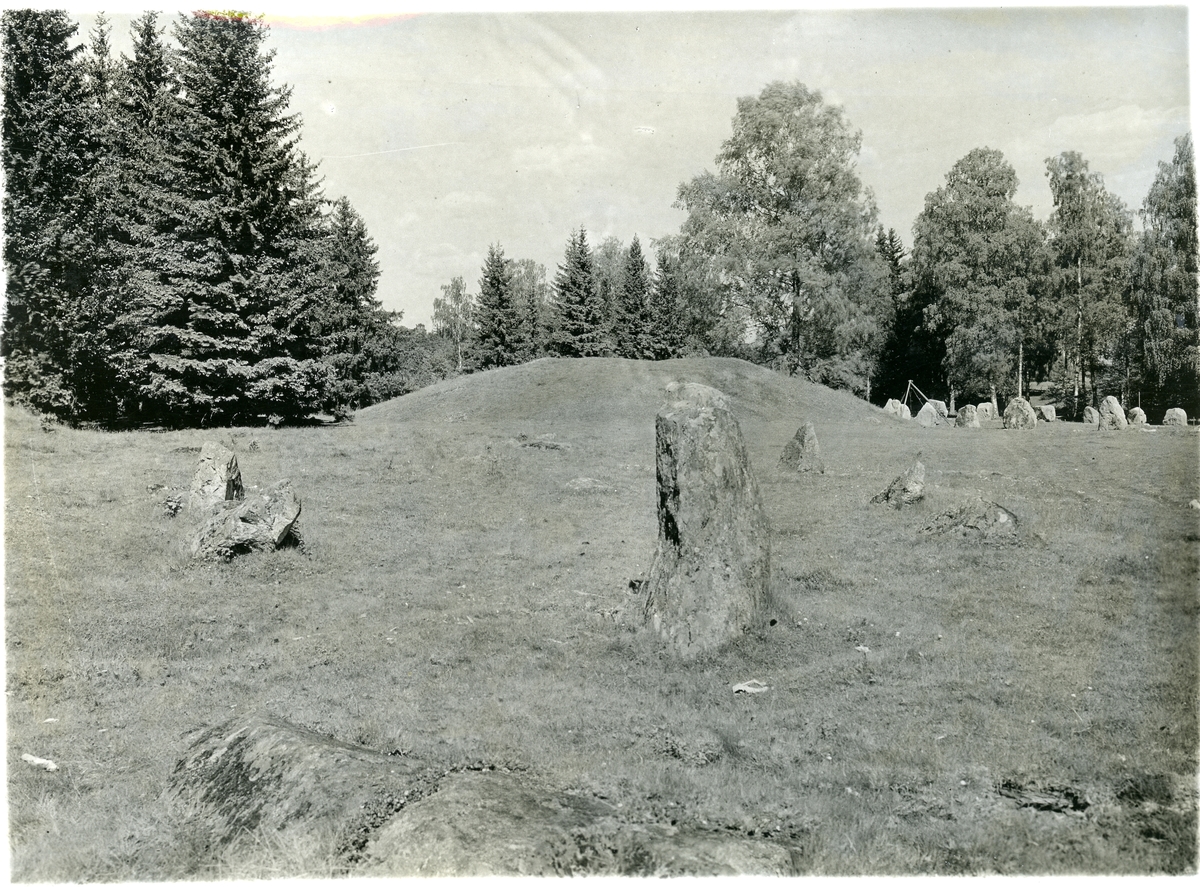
{"points": [[1137, 416], [261, 778], [940, 406], [907, 489], [694, 392], [897, 409], [708, 581], [217, 478], [1019, 414], [497, 823], [803, 452], [1091, 416], [1047, 413], [968, 417], [259, 772], [260, 523], [1175, 416], [1112, 415], [986, 411], [976, 518], [929, 416]]}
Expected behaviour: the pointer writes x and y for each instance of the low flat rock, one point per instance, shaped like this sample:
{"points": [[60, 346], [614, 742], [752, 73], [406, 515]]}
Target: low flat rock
{"points": [[976, 518], [260, 523], [907, 489], [1112, 415], [803, 452], [968, 417], [492, 823], [1176, 417], [1019, 414], [260, 772]]}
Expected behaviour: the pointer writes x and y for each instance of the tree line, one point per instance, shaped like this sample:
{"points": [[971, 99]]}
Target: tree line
{"points": [[781, 261], [171, 258]]}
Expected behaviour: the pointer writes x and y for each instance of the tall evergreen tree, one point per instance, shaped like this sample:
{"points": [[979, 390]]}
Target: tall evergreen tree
{"points": [[50, 150], [1165, 296], [633, 334], [499, 339], [233, 241], [530, 294], [579, 322], [349, 318]]}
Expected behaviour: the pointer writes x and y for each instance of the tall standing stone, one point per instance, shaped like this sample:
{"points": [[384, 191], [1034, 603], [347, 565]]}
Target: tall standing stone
{"points": [[709, 579], [968, 417], [1019, 414], [217, 479], [1112, 415], [929, 416], [1047, 413], [985, 411], [803, 452], [1175, 416], [1091, 416]]}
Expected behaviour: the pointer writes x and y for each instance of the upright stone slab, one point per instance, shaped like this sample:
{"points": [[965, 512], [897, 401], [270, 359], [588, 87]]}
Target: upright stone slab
{"points": [[1112, 415], [1091, 416], [968, 417], [1019, 414], [217, 479], [985, 411], [1137, 416], [940, 406], [893, 406], [1175, 416], [708, 581], [907, 489], [803, 452], [1047, 413], [929, 416]]}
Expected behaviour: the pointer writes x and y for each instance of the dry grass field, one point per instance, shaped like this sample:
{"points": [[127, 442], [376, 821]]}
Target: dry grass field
{"points": [[464, 549]]}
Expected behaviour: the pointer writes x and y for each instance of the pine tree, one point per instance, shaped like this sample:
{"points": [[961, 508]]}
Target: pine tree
{"points": [[498, 339], [579, 313], [530, 295]]}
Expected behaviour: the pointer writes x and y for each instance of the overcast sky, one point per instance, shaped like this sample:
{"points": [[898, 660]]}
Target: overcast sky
{"points": [[449, 132]]}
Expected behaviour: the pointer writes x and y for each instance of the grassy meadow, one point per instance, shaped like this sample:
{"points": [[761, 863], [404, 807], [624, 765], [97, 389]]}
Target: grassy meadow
{"points": [[465, 549]]}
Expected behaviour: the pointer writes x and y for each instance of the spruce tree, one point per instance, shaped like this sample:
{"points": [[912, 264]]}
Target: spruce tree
{"points": [[579, 322], [633, 328], [228, 274], [498, 339], [666, 309], [49, 152]]}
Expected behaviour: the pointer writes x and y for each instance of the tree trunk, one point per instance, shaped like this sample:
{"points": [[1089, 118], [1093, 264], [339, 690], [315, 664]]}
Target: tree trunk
{"points": [[1020, 369], [952, 401], [995, 405], [1078, 325]]}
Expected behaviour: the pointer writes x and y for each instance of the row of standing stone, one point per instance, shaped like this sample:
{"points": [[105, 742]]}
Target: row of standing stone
{"points": [[1019, 413]]}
